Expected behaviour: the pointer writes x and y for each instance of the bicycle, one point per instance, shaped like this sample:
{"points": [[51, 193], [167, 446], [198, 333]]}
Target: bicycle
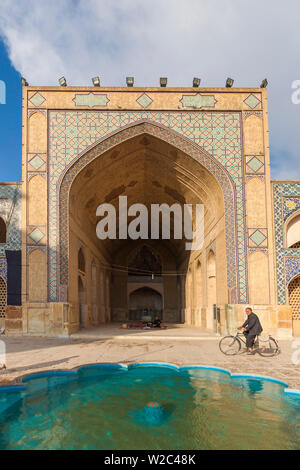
{"points": [[231, 345]]}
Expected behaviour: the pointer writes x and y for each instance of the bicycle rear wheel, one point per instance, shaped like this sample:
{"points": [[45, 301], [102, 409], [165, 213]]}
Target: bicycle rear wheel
{"points": [[230, 345], [268, 348]]}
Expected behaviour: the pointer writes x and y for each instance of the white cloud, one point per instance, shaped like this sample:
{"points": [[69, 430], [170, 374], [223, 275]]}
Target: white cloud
{"points": [[213, 39]]}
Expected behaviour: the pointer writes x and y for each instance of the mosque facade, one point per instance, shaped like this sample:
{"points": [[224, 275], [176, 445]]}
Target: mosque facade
{"points": [[85, 146]]}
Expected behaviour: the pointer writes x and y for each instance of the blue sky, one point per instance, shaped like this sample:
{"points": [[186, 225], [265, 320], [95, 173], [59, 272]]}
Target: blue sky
{"points": [[247, 40], [10, 120]]}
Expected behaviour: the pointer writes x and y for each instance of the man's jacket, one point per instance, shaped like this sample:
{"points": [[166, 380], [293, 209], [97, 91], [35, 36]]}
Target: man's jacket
{"points": [[252, 325]]}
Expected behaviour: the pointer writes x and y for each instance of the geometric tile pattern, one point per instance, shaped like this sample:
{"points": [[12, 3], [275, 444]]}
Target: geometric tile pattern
{"points": [[37, 99], [258, 237], [30, 174], [36, 162], [255, 164], [3, 268], [198, 101], [144, 100], [246, 114], [252, 101], [91, 100], [286, 202], [72, 133], [10, 210], [36, 235], [292, 268], [290, 205]]}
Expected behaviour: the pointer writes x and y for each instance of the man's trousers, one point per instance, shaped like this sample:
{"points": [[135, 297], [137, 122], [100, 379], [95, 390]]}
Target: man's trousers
{"points": [[249, 340]]}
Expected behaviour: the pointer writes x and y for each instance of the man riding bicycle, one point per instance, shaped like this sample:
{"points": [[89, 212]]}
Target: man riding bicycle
{"points": [[251, 328]]}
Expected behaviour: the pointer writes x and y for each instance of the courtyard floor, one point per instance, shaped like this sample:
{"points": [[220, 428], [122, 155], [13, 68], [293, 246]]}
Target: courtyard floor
{"points": [[178, 344]]}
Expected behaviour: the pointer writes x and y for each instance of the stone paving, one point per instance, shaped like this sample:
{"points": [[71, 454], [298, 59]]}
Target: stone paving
{"points": [[178, 345]]}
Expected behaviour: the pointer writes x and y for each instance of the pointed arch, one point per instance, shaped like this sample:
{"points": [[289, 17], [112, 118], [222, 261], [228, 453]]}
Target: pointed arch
{"points": [[178, 141], [81, 260], [294, 296], [292, 231], [3, 231]]}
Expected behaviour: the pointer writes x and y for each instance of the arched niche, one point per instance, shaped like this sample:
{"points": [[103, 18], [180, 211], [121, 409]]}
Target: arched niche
{"points": [[145, 302], [292, 231], [199, 284], [82, 302], [37, 133], [253, 134], [81, 260], [3, 234], [81, 171], [37, 276], [259, 278], [211, 279], [294, 297], [37, 201], [256, 202]]}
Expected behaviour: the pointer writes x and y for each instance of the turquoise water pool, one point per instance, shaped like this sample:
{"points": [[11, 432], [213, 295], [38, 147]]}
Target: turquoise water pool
{"points": [[107, 407]]}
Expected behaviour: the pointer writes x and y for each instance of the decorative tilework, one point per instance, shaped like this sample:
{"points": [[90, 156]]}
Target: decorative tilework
{"points": [[258, 237], [36, 235], [292, 268], [255, 164], [30, 174], [212, 138], [211, 247], [252, 101], [10, 210], [198, 101], [258, 248], [287, 260], [37, 110], [91, 100], [290, 205], [184, 145], [246, 114], [36, 162], [144, 100], [3, 268], [37, 99], [31, 248]]}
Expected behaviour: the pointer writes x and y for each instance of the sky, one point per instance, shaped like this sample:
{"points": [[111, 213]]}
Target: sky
{"points": [[211, 39]]}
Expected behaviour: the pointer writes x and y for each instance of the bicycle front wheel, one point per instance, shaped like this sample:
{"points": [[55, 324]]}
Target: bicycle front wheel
{"points": [[269, 348], [230, 345]]}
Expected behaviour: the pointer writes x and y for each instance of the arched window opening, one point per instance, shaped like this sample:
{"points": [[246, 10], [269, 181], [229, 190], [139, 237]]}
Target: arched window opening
{"points": [[81, 261], [145, 304], [82, 303], [199, 285], [294, 297], [2, 231], [293, 232], [211, 279], [295, 245]]}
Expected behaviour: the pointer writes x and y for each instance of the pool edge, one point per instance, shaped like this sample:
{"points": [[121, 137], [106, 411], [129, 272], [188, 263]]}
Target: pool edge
{"points": [[18, 384]]}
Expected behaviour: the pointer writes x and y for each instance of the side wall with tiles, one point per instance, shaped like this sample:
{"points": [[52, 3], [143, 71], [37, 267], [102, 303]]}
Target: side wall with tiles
{"points": [[10, 248]]}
